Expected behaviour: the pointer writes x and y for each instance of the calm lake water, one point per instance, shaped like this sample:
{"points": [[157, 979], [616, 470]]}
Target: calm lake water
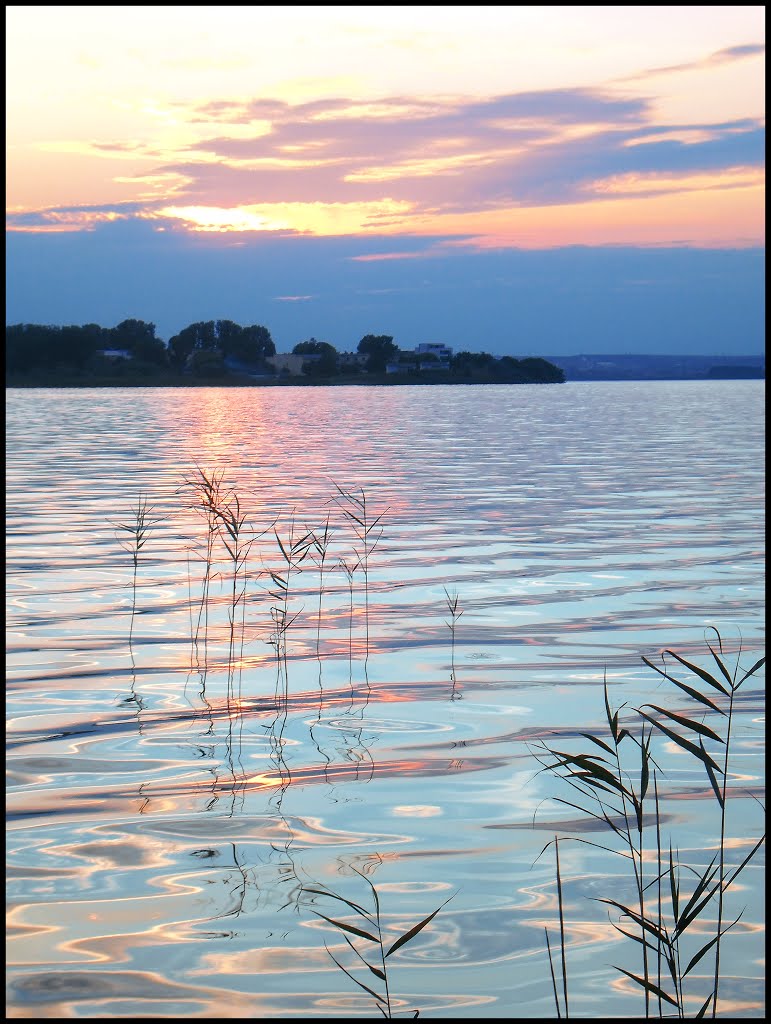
{"points": [[189, 752]]}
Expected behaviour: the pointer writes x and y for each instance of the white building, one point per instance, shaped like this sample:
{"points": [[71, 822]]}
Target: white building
{"points": [[442, 352]]}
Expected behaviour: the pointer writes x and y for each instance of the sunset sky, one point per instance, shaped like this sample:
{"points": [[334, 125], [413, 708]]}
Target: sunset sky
{"points": [[531, 180]]}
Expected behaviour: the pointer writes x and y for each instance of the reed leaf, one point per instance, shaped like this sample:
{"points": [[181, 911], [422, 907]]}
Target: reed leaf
{"points": [[280, 544], [404, 939], [751, 672], [637, 917], [730, 880], [335, 896], [714, 782], [698, 900], [703, 1009], [702, 952], [375, 970], [589, 770], [348, 927], [645, 757], [681, 741], [612, 718], [721, 664], [599, 742], [702, 673], [687, 723], [375, 995], [647, 984], [695, 694], [674, 885]]}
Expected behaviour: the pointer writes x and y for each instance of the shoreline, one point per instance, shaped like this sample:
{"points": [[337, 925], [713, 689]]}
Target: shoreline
{"points": [[230, 382]]}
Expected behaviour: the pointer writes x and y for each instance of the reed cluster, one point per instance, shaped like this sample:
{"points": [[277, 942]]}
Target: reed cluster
{"points": [[617, 782]]}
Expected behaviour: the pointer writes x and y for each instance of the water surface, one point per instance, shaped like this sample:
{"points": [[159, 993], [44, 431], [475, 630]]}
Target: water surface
{"points": [[181, 767]]}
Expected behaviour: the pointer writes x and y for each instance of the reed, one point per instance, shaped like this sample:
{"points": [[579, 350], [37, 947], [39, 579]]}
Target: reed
{"points": [[294, 550], [349, 569], [137, 530], [320, 543], [375, 946], [617, 786], [206, 489], [368, 531], [726, 685], [455, 614]]}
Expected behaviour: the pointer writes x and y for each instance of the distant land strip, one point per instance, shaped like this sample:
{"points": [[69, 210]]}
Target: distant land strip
{"points": [[223, 353]]}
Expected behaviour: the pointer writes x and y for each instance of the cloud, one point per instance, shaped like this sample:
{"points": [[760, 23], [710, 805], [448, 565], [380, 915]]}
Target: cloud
{"points": [[724, 56], [448, 154], [340, 166]]}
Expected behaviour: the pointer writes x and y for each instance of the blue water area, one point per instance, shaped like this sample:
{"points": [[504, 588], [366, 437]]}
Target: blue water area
{"points": [[267, 647]]}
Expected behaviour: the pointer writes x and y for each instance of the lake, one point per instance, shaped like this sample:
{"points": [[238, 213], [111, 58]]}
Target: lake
{"points": [[356, 616]]}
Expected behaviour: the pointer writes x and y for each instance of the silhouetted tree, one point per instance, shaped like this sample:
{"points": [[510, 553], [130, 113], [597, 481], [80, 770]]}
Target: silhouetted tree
{"points": [[472, 364], [249, 344], [482, 366], [30, 347], [326, 363], [254, 344], [138, 338], [193, 338], [541, 371], [227, 335], [129, 332], [207, 362], [380, 348]]}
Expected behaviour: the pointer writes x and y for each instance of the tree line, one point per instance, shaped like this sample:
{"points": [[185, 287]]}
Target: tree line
{"points": [[218, 348]]}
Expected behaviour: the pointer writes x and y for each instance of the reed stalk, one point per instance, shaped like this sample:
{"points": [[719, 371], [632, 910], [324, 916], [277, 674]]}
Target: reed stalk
{"points": [[563, 959]]}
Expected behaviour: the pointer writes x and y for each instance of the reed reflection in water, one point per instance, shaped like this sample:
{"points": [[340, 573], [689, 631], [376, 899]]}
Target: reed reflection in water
{"points": [[192, 745]]}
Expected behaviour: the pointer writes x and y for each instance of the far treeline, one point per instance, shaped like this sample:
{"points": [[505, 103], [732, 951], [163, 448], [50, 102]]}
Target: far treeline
{"points": [[224, 352]]}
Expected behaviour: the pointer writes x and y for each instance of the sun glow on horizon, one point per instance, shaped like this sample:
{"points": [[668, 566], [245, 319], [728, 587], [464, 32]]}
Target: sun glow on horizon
{"points": [[305, 218]]}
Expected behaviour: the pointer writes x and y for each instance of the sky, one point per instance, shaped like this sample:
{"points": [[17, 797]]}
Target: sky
{"points": [[515, 180]]}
